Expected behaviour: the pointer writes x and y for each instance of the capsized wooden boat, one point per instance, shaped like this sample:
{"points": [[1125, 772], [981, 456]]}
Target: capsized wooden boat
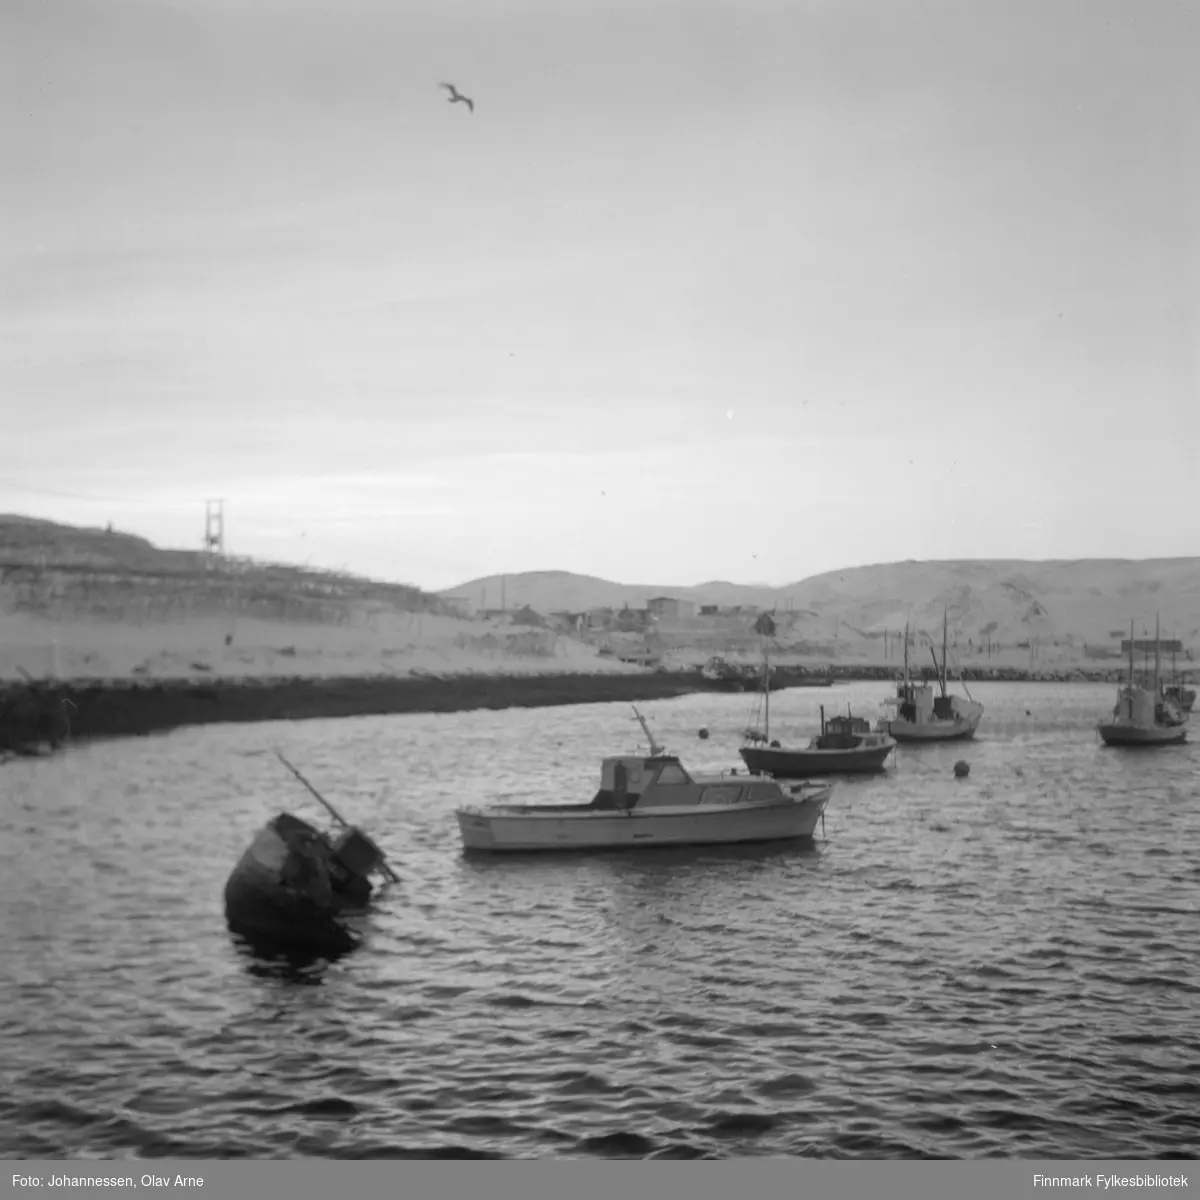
{"points": [[1144, 715], [295, 884], [918, 715], [845, 746], [651, 800]]}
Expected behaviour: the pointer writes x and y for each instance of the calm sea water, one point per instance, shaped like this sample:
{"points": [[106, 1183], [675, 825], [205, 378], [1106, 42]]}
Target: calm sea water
{"points": [[1002, 965]]}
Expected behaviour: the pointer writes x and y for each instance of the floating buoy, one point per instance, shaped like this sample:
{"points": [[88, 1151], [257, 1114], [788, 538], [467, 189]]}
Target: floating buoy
{"points": [[962, 769], [703, 733]]}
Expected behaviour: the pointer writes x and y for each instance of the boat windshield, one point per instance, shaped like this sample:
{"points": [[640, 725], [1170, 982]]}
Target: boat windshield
{"points": [[764, 791], [722, 794], [672, 773]]}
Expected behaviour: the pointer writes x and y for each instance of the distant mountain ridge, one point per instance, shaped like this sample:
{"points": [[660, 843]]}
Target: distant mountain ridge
{"points": [[1013, 599]]}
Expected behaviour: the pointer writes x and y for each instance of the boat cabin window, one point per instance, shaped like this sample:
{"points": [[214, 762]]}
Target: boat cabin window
{"points": [[721, 794], [672, 773], [764, 791]]}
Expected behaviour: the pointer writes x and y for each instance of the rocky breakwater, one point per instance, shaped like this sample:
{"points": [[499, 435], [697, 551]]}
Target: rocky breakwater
{"points": [[120, 708], [1065, 674]]}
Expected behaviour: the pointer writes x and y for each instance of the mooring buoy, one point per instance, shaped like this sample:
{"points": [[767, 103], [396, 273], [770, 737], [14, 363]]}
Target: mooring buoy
{"points": [[703, 733], [962, 769]]}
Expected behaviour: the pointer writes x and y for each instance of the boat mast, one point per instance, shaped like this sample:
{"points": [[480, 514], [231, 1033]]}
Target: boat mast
{"points": [[1131, 652], [655, 748], [943, 652], [766, 691], [1157, 664], [906, 658]]}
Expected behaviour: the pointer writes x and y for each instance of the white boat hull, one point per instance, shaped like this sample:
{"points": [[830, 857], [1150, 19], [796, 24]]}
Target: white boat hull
{"points": [[931, 731], [498, 830]]}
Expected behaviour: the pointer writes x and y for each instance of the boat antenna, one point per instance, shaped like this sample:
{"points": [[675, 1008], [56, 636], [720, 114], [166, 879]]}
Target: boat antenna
{"points": [[962, 678], [333, 812], [655, 748]]}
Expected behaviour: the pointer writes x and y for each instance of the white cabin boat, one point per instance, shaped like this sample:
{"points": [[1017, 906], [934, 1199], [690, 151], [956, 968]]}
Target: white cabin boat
{"points": [[917, 714], [1144, 714], [652, 800]]}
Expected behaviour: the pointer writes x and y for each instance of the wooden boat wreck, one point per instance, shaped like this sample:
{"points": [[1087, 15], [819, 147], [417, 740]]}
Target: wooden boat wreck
{"points": [[295, 884], [1144, 715], [918, 715], [651, 800]]}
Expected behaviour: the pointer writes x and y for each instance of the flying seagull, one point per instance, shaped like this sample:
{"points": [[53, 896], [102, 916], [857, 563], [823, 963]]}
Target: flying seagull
{"points": [[456, 97]]}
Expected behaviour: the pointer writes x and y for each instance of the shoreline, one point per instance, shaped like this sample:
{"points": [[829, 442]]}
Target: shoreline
{"points": [[110, 708]]}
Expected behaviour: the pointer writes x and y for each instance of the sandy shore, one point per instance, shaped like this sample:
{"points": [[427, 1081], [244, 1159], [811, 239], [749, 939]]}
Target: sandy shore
{"points": [[218, 648]]}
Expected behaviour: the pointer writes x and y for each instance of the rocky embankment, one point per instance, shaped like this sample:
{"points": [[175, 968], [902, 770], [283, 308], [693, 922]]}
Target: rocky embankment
{"points": [[102, 708]]}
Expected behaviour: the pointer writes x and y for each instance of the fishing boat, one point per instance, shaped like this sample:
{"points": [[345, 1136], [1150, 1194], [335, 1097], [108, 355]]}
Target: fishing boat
{"points": [[295, 884], [845, 745], [1143, 715], [917, 714], [1180, 694], [722, 676], [651, 800], [1177, 691]]}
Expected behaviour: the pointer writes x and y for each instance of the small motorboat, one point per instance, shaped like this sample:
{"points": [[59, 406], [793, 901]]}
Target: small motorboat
{"points": [[652, 800], [295, 884], [846, 745]]}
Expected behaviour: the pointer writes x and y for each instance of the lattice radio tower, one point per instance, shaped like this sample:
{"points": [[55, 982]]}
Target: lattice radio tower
{"points": [[214, 527]]}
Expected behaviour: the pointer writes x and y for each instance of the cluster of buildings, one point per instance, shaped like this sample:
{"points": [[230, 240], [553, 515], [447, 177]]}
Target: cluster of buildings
{"points": [[608, 619]]}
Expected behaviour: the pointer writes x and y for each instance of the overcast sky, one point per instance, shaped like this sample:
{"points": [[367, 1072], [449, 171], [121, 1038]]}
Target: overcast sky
{"points": [[740, 290]]}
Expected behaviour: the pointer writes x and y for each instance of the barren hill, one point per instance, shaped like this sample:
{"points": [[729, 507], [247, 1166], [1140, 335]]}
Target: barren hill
{"points": [[45, 565], [1084, 600], [98, 604]]}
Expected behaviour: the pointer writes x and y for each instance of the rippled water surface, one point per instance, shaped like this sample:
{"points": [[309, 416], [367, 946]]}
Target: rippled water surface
{"points": [[1005, 964]]}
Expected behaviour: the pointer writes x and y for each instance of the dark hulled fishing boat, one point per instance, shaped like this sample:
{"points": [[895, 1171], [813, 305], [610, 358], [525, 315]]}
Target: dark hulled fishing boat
{"points": [[845, 746]]}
